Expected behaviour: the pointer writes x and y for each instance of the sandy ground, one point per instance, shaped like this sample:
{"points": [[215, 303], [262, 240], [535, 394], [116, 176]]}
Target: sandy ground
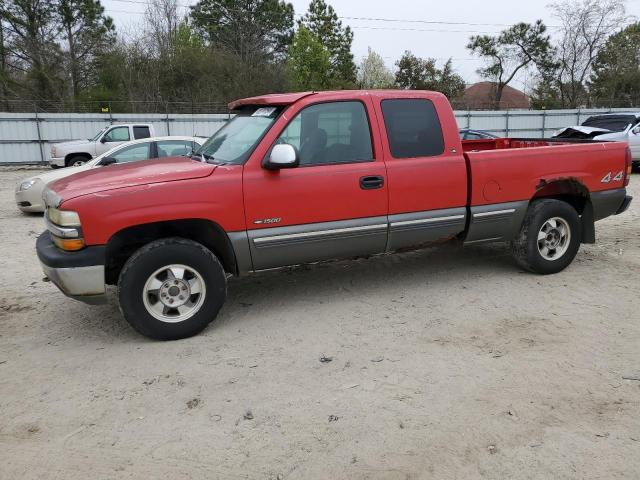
{"points": [[446, 364]]}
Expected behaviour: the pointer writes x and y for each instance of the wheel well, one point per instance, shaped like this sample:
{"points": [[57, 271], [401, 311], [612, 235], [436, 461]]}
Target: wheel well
{"points": [[124, 243], [79, 154], [570, 191], [573, 192]]}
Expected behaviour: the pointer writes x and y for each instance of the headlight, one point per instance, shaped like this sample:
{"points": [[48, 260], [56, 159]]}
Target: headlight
{"points": [[64, 226], [26, 185], [64, 218]]}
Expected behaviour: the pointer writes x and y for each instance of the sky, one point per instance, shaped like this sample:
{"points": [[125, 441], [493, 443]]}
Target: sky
{"points": [[433, 29]]}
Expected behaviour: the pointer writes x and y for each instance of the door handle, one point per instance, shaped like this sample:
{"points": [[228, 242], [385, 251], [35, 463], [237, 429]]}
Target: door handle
{"points": [[371, 182]]}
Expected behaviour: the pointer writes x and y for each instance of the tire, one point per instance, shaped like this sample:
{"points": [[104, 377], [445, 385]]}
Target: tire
{"points": [[553, 252], [76, 161], [158, 264]]}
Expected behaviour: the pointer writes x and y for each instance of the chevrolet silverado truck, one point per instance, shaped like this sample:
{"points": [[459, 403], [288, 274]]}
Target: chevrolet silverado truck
{"points": [[78, 152], [304, 177]]}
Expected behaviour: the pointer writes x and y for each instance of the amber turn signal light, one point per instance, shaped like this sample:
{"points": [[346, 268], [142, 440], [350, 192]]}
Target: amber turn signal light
{"points": [[68, 244]]}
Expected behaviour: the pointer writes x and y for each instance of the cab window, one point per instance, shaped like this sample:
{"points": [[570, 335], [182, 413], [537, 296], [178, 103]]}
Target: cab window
{"points": [[413, 128], [117, 134], [141, 132], [326, 133]]}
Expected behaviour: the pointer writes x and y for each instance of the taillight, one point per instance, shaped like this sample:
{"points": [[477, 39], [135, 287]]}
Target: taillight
{"points": [[628, 167]]}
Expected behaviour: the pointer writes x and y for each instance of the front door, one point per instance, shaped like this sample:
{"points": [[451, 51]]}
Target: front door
{"points": [[334, 204], [112, 138]]}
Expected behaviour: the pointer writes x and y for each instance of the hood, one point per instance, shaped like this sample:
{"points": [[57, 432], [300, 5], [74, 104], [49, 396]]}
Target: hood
{"points": [[59, 173], [71, 143], [145, 172]]}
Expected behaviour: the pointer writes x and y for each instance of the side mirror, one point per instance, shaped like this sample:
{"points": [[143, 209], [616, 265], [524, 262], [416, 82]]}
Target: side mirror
{"points": [[108, 161], [636, 130], [282, 156], [103, 139]]}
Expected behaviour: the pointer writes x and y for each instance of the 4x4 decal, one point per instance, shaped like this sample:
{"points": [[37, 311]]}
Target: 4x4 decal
{"points": [[609, 177]]}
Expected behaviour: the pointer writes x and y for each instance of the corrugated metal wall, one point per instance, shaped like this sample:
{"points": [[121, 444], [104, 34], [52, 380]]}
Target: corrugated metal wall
{"points": [[26, 138]]}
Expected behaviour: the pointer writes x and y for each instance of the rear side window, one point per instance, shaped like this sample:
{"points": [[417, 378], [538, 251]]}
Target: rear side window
{"points": [[174, 148], [413, 128], [141, 132], [133, 153]]}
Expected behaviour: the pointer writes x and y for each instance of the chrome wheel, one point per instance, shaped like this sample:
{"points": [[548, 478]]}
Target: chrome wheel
{"points": [[174, 293], [554, 238], [78, 163]]}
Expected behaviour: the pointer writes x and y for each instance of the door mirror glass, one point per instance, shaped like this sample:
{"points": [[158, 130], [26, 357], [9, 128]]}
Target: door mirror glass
{"points": [[282, 156]]}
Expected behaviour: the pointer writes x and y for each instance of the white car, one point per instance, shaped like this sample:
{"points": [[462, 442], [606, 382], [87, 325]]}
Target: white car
{"points": [[28, 192], [78, 152], [614, 127]]}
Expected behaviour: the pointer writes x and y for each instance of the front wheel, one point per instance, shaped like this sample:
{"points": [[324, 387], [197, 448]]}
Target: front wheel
{"points": [[171, 289], [77, 161], [549, 238]]}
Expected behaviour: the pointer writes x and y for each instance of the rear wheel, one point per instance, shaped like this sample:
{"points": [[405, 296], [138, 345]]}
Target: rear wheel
{"points": [[76, 161], [549, 238], [171, 288]]}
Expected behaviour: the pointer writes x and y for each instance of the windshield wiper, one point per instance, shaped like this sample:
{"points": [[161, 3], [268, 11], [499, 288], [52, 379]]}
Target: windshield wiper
{"points": [[205, 157]]}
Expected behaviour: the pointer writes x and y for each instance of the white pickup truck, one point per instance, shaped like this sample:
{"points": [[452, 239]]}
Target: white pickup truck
{"points": [[78, 152]]}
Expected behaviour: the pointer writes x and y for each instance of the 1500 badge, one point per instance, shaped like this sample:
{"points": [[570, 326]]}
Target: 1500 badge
{"points": [[267, 221]]}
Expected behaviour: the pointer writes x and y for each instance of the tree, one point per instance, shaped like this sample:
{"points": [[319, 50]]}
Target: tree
{"points": [[415, 73], [373, 73], [586, 26], [615, 81], [87, 32], [322, 21], [309, 62], [31, 26], [255, 30], [519, 47]]}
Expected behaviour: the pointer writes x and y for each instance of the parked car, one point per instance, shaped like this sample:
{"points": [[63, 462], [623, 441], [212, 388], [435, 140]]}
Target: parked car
{"points": [[78, 152], [468, 134], [615, 127], [304, 177], [28, 193]]}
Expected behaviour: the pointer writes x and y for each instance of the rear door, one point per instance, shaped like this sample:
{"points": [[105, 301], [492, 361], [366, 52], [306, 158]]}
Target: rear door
{"points": [[334, 204], [426, 170]]}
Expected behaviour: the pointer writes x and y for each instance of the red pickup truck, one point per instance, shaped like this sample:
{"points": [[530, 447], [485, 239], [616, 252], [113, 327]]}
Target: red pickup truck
{"points": [[303, 177]]}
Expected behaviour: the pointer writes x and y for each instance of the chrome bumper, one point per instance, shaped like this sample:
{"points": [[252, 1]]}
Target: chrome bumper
{"points": [[80, 283], [79, 275]]}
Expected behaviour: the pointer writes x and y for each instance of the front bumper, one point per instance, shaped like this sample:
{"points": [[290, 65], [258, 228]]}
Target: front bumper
{"points": [[57, 161], [79, 275], [30, 200]]}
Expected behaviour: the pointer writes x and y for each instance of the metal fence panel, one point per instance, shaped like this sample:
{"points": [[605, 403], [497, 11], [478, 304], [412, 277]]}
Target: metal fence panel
{"points": [[26, 138]]}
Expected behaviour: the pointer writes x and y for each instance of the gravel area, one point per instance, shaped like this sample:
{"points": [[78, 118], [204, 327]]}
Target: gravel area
{"points": [[445, 363]]}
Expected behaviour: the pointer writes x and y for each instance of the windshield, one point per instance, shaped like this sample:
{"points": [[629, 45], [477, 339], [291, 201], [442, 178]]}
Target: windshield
{"points": [[234, 142], [615, 123], [98, 135]]}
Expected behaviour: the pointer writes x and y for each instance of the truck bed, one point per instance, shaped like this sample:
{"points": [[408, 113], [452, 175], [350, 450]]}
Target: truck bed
{"points": [[512, 169], [505, 143]]}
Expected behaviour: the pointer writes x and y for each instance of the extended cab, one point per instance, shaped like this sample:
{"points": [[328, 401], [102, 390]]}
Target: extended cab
{"points": [[303, 177], [78, 152]]}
